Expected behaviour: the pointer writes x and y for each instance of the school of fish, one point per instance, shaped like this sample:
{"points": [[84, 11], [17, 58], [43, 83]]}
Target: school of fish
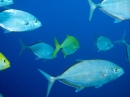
{"points": [[83, 74]]}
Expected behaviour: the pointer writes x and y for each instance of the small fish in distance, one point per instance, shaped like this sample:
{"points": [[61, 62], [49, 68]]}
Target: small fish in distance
{"points": [[103, 43], [68, 46], [40, 49]]}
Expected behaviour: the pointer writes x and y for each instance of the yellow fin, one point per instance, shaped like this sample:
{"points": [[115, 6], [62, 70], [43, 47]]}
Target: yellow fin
{"points": [[57, 47]]}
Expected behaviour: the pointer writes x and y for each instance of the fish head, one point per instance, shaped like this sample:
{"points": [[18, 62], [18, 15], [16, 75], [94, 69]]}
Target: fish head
{"points": [[34, 23], [113, 72], [73, 42], [6, 2], [4, 62]]}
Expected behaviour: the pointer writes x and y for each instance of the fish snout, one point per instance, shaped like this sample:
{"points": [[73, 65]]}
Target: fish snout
{"points": [[38, 24], [120, 72]]}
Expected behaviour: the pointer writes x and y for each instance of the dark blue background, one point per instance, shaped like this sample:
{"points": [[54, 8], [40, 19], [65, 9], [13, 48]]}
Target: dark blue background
{"points": [[60, 18]]}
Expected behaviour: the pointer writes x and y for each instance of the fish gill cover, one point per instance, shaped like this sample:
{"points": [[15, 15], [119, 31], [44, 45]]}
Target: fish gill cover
{"points": [[60, 18]]}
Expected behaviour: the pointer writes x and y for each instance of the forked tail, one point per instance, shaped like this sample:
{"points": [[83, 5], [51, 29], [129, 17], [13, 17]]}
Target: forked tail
{"points": [[50, 79], [92, 8], [123, 40], [23, 47], [57, 47]]}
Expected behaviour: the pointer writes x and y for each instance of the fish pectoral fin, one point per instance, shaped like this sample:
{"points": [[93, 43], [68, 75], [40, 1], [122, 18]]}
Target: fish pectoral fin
{"points": [[98, 86], [79, 89]]}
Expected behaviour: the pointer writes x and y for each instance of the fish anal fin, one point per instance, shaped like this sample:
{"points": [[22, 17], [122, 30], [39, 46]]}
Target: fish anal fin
{"points": [[98, 86], [64, 53]]}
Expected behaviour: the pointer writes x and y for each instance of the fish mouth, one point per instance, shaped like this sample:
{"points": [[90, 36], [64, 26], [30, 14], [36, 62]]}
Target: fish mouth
{"points": [[121, 72]]}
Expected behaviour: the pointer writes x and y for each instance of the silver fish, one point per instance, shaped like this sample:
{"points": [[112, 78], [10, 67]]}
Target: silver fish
{"points": [[40, 49], [103, 43], [87, 73], [118, 9], [4, 3], [17, 21]]}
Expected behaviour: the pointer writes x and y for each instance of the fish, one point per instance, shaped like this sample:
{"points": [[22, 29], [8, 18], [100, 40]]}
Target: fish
{"points": [[68, 46], [13, 20], [86, 73], [40, 49], [118, 9], [103, 43], [4, 62], [4, 3]]}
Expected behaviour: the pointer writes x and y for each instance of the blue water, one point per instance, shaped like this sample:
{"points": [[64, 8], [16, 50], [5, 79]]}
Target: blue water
{"points": [[60, 18]]}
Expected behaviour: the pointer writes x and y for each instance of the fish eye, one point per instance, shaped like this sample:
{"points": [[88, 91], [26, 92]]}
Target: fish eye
{"points": [[4, 60], [115, 69]]}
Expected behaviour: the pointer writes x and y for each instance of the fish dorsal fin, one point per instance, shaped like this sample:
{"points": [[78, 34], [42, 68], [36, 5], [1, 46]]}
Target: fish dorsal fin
{"points": [[79, 89]]}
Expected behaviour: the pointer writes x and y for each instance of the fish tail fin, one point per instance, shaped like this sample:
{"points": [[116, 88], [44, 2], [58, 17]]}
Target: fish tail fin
{"points": [[57, 47], [23, 47], [50, 79], [92, 8], [123, 40]]}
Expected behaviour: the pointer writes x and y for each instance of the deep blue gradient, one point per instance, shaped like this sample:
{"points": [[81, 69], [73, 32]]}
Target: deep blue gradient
{"points": [[61, 18]]}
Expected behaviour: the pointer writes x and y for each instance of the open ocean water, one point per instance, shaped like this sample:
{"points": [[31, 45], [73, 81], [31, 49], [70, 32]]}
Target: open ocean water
{"points": [[61, 18]]}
